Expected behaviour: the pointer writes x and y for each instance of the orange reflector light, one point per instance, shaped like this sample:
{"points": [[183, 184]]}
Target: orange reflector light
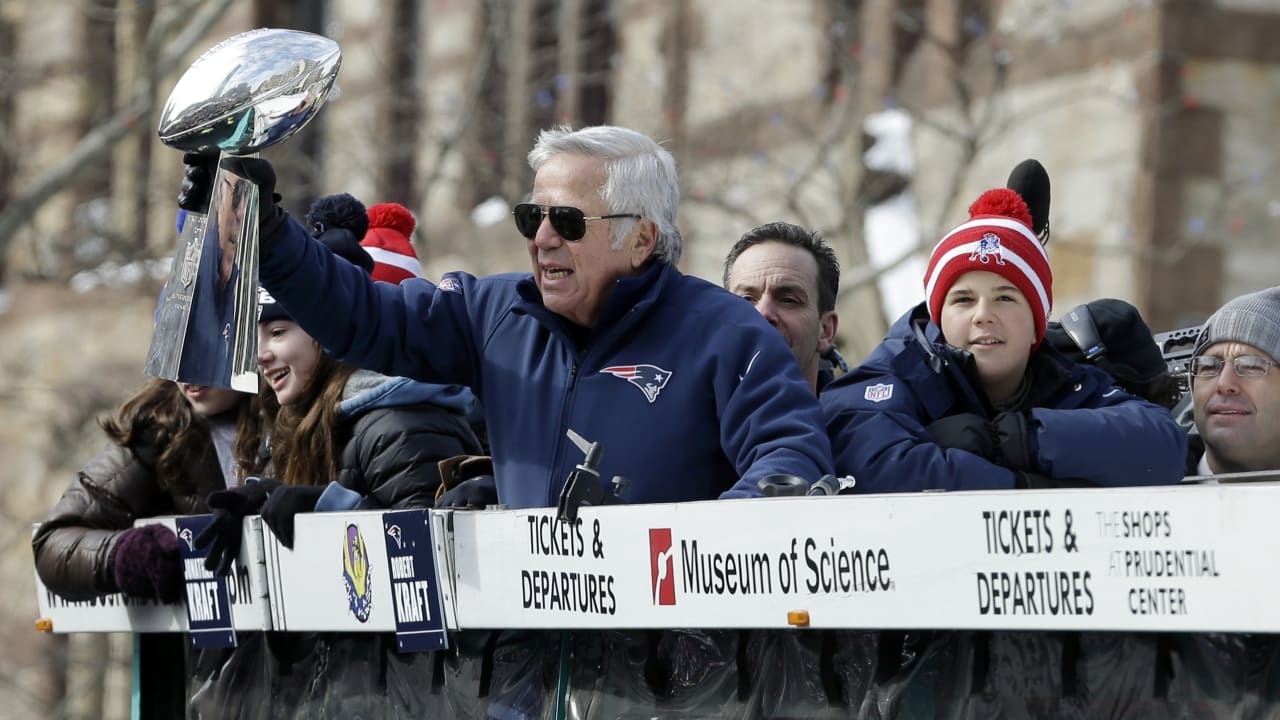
{"points": [[44, 625], [798, 618]]}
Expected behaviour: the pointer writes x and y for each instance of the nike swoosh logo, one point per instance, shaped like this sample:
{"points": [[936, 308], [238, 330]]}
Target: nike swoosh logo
{"points": [[753, 362]]}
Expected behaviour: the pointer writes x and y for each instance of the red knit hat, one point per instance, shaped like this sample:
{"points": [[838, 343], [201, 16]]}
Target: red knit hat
{"points": [[997, 238], [387, 240]]}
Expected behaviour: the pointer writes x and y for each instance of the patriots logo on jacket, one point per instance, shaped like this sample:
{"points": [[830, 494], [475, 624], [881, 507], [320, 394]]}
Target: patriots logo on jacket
{"points": [[649, 378]]}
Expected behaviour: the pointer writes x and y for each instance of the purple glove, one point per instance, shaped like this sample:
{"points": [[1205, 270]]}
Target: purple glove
{"points": [[145, 563]]}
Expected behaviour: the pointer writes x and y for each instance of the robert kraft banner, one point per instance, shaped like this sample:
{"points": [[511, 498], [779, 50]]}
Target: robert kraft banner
{"points": [[208, 597], [415, 588]]}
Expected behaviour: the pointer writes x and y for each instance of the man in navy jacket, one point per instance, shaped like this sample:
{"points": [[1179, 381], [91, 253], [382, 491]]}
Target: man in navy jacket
{"points": [[791, 276], [690, 392]]}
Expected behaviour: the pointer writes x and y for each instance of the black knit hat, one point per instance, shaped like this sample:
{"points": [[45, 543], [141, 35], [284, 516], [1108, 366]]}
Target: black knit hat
{"points": [[269, 309], [340, 222], [338, 211]]}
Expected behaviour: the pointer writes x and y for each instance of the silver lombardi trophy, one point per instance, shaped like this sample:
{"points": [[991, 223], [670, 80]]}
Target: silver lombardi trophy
{"points": [[246, 93]]}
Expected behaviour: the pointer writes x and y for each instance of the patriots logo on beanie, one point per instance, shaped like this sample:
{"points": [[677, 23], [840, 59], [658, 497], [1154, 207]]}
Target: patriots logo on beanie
{"points": [[387, 240], [998, 239], [268, 309]]}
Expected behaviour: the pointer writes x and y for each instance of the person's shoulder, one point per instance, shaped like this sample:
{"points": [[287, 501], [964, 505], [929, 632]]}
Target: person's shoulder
{"points": [[503, 279], [866, 391], [1091, 378], [406, 417], [500, 288], [459, 281], [704, 301]]}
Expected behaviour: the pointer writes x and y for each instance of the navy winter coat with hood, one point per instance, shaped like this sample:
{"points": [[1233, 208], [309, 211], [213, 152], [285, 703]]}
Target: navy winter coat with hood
{"points": [[1085, 428], [399, 430]]}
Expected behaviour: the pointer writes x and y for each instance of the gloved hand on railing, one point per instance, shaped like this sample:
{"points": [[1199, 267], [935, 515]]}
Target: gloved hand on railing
{"points": [[1007, 440], [145, 563], [284, 503], [230, 508], [476, 492]]}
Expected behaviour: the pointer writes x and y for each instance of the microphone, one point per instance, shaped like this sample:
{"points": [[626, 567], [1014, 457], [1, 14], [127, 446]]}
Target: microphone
{"points": [[1030, 180]]}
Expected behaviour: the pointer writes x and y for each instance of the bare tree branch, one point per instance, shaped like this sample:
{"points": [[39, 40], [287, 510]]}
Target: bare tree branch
{"points": [[449, 141], [95, 145]]}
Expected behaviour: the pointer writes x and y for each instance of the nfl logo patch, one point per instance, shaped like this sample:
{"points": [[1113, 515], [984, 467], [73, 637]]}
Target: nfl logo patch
{"points": [[449, 285], [878, 393]]}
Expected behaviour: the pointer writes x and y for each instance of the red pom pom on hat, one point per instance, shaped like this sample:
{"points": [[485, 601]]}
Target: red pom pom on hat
{"points": [[387, 240], [1002, 202], [998, 239], [394, 216]]}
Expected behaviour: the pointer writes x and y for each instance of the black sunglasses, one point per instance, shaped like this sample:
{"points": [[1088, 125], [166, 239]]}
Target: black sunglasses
{"points": [[569, 222]]}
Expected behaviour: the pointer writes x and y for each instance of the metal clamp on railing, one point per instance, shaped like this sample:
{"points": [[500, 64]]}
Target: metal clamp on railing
{"points": [[1178, 346], [583, 485]]}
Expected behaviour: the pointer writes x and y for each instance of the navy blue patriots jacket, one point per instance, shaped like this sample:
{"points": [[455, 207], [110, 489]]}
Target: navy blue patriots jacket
{"points": [[691, 393], [1086, 428]]}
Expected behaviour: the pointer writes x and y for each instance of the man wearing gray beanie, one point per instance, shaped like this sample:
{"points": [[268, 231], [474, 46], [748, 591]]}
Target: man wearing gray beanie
{"points": [[1235, 386]]}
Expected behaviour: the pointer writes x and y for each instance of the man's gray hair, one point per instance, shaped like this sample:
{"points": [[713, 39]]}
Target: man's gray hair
{"points": [[1252, 319], [640, 177]]}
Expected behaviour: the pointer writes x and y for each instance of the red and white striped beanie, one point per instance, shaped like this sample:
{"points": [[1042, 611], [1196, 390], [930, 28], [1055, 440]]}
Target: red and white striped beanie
{"points": [[997, 238], [387, 240]]}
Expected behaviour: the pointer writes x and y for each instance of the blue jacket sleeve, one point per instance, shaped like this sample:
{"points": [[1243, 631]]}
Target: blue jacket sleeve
{"points": [[412, 330], [1121, 440], [886, 448], [770, 420]]}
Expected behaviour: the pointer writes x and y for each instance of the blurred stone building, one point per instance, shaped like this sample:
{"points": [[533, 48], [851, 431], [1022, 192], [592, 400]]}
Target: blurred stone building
{"points": [[1154, 118]]}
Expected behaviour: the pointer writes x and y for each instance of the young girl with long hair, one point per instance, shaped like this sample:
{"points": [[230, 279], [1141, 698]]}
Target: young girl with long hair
{"points": [[170, 446]]}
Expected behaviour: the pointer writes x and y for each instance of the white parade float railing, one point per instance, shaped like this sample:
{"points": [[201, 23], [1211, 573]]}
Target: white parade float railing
{"points": [[1190, 558]]}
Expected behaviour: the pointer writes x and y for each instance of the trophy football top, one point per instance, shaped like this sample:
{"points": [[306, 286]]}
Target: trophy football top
{"points": [[250, 91]]}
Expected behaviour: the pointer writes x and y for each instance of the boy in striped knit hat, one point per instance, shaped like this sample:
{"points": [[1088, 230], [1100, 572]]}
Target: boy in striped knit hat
{"points": [[391, 226], [964, 393]]}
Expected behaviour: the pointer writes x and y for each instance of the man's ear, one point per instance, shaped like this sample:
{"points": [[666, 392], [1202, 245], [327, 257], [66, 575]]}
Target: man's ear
{"points": [[827, 326], [644, 240]]}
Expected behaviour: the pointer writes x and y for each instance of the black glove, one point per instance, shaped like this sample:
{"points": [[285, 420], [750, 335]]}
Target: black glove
{"points": [[477, 492], [1016, 440], [260, 173], [230, 508], [197, 181], [285, 502], [145, 563], [967, 431]]}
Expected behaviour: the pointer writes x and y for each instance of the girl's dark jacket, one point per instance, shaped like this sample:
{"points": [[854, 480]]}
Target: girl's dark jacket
{"points": [[116, 487], [398, 431]]}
